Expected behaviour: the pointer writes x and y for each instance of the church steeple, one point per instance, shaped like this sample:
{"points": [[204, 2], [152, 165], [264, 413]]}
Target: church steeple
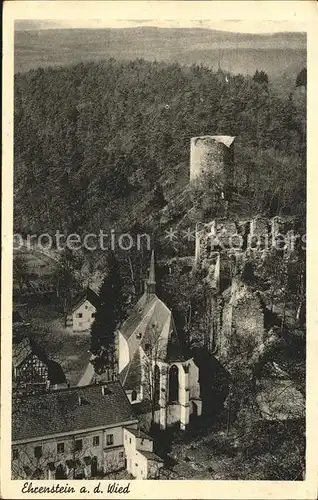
{"points": [[151, 281]]}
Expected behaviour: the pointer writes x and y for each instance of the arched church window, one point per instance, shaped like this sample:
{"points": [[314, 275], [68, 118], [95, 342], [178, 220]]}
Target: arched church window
{"points": [[156, 384], [174, 384], [134, 395]]}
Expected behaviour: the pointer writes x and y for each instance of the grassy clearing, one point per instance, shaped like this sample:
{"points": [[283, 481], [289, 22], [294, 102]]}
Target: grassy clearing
{"points": [[60, 344]]}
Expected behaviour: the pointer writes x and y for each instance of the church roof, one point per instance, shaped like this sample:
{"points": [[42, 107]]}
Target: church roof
{"points": [[151, 327], [139, 312], [151, 322], [130, 376]]}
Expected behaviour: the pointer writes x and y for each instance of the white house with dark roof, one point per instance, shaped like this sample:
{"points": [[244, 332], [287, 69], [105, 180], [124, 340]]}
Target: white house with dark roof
{"points": [[151, 363], [82, 314], [142, 462], [77, 432]]}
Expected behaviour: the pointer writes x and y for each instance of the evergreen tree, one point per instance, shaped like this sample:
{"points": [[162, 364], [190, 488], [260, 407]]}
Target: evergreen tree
{"points": [[301, 79], [109, 314], [260, 77]]}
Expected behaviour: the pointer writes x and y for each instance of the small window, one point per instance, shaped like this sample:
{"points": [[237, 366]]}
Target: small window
{"points": [[110, 439], [78, 444], [79, 315], [15, 454], [130, 440], [147, 347], [138, 335], [136, 464], [38, 451], [85, 307], [93, 315], [134, 395], [96, 441], [121, 454], [60, 447]]}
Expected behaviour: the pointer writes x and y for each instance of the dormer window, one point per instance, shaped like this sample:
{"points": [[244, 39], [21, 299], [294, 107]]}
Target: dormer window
{"points": [[138, 335], [106, 391]]}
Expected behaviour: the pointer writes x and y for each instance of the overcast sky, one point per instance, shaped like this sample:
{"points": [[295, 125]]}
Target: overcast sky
{"points": [[228, 25]]}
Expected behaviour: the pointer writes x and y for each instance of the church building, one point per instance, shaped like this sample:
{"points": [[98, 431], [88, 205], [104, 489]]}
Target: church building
{"points": [[152, 365]]}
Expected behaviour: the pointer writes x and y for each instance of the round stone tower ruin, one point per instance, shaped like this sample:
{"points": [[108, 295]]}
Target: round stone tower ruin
{"points": [[213, 153]]}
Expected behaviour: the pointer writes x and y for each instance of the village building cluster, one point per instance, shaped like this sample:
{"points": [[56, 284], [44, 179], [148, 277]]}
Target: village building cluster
{"points": [[98, 428]]}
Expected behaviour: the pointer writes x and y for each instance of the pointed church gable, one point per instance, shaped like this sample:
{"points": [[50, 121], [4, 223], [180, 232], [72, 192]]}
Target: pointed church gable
{"points": [[174, 350], [156, 334], [161, 335]]}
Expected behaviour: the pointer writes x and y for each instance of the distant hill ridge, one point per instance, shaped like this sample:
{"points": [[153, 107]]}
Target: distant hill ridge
{"points": [[239, 51]]}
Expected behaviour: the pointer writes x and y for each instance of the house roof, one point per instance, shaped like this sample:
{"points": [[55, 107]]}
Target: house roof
{"points": [[89, 295], [139, 433], [21, 351], [150, 455], [70, 410]]}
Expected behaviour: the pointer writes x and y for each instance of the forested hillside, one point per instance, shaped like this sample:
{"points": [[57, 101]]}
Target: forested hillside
{"points": [[95, 142]]}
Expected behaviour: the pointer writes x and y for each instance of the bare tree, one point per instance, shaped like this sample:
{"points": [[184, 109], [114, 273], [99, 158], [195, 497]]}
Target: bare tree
{"points": [[67, 279], [154, 369], [37, 465], [20, 271]]}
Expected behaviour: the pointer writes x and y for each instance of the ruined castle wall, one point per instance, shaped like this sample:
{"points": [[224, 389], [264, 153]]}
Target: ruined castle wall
{"points": [[248, 319], [242, 326]]}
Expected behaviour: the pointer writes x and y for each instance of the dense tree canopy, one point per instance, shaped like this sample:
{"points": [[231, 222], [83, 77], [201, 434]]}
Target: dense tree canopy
{"points": [[92, 140]]}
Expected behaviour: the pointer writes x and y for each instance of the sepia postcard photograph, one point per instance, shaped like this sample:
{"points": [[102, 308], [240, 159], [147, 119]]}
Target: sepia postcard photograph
{"points": [[156, 308]]}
